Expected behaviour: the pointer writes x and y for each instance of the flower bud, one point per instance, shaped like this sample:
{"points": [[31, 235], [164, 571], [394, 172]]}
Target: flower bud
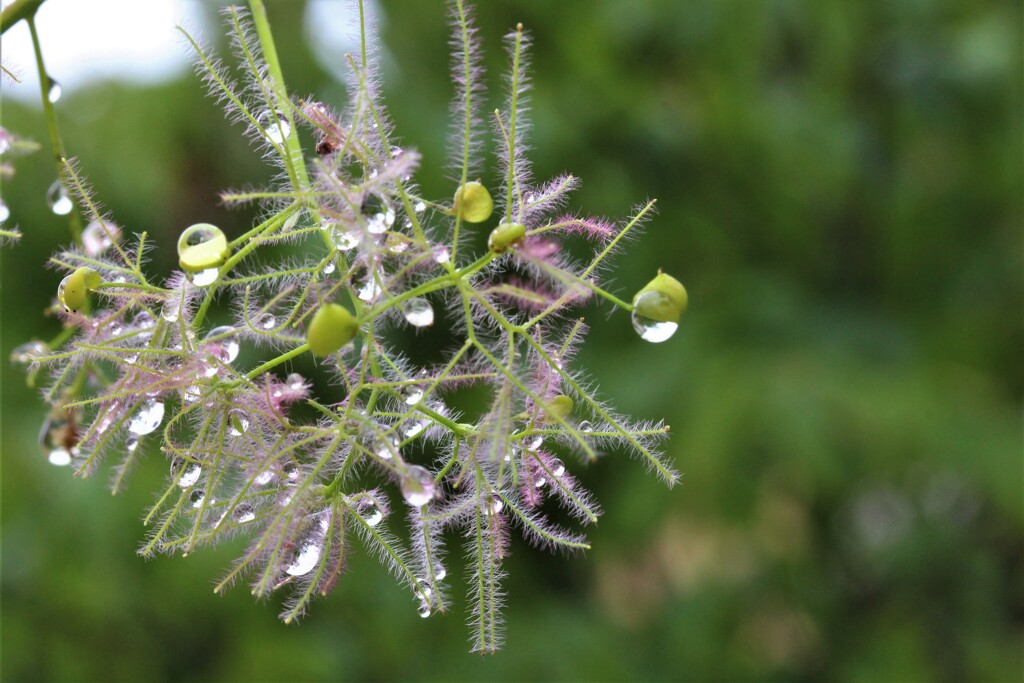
{"points": [[331, 328], [663, 299], [202, 246], [473, 202], [73, 290], [504, 236]]}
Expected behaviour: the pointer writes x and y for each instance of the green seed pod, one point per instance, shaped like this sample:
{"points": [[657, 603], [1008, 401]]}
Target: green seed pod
{"points": [[504, 236], [202, 246], [473, 202], [663, 299], [73, 290], [331, 328], [559, 408]]}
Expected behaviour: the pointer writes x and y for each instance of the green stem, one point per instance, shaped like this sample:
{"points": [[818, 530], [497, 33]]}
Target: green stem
{"points": [[618, 238], [266, 38], [274, 362], [512, 121], [74, 220], [16, 11]]}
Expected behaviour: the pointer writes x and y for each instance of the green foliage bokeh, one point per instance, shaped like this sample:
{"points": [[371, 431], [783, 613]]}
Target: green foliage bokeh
{"points": [[840, 189]]}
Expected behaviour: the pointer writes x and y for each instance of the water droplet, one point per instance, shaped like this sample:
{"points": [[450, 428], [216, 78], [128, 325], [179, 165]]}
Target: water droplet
{"points": [[131, 442], [396, 244], [147, 418], [442, 255], [238, 423], [540, 483], [191, 393], [496, 504], [371, 511], [385, 447], [244, 513], [649, 329], [328, 268], [379, 215], [171, 310], [205, 277], [190, 475], [424, 609], [60, 432], [412, 393], [585, 426], [275, 125], [54, 92], [414, 426], [344, 240], [131, 358], [291, 471], [557, 469], [58, 200], [439, 571], [225, 347], [532, 443], [143, 320], [295, 381], [263, 478], [370, 289], [5, 212], [265, 321], [417, 485], [419, 312], [97, 237], [61, 457], [308, 555], [28, 352], [196, 498], [202, 247], [420, 207]]}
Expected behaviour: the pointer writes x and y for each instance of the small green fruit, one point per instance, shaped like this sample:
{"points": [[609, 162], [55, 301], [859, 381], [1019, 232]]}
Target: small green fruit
{"points": [[73, 290], [504, 236], [473, 202], [559, 408], [331, 328], [202, 246], [663, 299]]}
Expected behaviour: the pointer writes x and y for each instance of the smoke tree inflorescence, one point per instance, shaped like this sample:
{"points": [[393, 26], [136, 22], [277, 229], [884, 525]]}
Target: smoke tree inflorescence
{"points": [[381, 457]]}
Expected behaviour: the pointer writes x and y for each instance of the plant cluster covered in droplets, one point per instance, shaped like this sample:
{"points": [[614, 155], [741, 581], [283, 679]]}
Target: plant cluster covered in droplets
{"points": [[385, 461]]}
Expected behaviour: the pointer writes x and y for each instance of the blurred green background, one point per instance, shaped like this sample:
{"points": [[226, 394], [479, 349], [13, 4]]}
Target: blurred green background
{"points": [[840, 188]]}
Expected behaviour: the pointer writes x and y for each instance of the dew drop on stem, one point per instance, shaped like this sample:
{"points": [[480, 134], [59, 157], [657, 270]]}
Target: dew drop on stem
{"points": [[224, 344], [275, 125], [58, 200], [419, 313], [53, 90], [244, 513], [147, 417], [417, 485], [189, 475]]}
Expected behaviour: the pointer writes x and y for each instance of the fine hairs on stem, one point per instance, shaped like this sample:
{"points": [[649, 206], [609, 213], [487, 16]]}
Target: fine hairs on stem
{"points": [[381, 455]]}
